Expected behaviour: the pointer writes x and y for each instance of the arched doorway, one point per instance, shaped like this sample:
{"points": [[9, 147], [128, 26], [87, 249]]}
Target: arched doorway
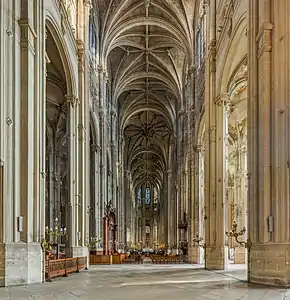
{"points": [[112, 233]]}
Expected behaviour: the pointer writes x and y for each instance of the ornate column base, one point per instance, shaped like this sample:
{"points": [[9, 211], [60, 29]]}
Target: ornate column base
{"points": [[78, 251], [194, 255], [240, 255], [270, 264], [216, 258], [20, 263]]}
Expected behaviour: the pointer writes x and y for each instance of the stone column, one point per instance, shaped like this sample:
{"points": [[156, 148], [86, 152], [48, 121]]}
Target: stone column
{"points": [[214, 158], [102, 155], [268, 143], [169, 209], [240, 199], [81, 146], [166, 217], [96, 190], [194, 211], [143, 217], [21, 130], [73, 196]]}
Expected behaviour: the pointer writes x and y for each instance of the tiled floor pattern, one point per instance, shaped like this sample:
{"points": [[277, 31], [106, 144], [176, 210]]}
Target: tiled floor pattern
{"points": [[140, 282]]}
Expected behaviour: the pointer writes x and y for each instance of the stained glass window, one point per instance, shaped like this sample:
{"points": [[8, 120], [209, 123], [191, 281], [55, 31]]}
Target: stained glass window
{"points": [[92, 35], [139, 196], [147, 196]]}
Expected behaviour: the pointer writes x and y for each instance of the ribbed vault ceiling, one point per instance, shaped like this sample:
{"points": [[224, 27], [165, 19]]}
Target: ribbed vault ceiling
{"points": [[147, 47]]}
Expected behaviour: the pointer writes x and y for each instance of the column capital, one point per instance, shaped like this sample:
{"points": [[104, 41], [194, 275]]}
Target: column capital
{"points": [[72, 100], [222, 99], [95, 148], [197, 148], [100, 69], [113, 113], [181, 113], [212, 134], [88, 3]]}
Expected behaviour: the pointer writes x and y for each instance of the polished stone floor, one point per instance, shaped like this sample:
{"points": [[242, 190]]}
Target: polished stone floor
{"points": [[140, 282]]}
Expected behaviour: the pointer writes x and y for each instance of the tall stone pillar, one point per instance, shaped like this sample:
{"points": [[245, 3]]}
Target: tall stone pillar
{"points": [[143, 217], [164, 199], [121, 188], [240, 198], [102, 155], [82, 166], [268, 143], [215, 158], [21, 144], [73, 235], [170, 237], [194, 206], [96, 191]]}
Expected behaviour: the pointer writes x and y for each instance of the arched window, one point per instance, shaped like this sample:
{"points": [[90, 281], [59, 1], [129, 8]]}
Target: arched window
{"points": [[155, 195], [147, 196], [200, 36], [139, 196], [92, 35]]}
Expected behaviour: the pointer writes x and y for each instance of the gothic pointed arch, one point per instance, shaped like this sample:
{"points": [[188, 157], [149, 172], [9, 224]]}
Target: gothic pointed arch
{"points": [[53, 30]]}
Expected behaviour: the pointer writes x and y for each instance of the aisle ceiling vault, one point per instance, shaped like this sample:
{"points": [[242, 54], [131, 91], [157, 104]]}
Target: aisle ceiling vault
{"points": [[147, 48]]}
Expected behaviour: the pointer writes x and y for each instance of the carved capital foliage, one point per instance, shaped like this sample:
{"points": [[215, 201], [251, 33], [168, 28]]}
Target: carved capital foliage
{"points": [[212, 134], [80, 53], [181, 113], [113, 113], [95, 148], [100, 69], [197, 148], [88, 4], [212, 55], [222, 100]]}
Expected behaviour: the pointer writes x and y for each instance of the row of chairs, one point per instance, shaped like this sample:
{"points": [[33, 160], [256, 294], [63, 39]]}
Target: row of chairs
{"points": [[160, 259], [134, 259]]}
